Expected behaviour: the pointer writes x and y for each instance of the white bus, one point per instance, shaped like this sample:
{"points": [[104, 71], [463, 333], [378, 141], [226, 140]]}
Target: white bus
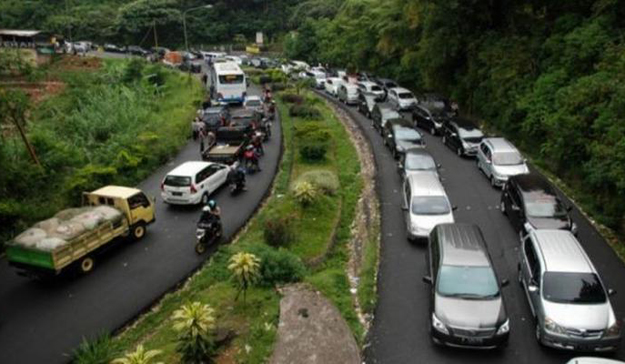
{"points": [[227, 83]]}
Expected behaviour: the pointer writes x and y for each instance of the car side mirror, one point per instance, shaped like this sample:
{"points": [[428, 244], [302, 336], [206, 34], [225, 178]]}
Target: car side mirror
{"points": [[532, 288], [611, 292], [427, 279], [438, 165], [504, 282]]}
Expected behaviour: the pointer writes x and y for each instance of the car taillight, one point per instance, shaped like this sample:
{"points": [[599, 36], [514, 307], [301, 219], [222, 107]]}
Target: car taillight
{"points": [[193, 189]]}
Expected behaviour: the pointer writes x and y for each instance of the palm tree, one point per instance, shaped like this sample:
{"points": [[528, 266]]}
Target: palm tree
{"points": [[139, 356], [195, 322], [245, 269]]}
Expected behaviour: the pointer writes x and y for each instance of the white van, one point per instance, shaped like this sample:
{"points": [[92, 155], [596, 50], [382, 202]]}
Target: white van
{"points": [[425, 205], [193, 182], [227, 83]]}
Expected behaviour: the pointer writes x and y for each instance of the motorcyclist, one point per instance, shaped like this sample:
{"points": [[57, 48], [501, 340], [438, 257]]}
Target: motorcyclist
{"points": [[210, 213], [236, 177]]}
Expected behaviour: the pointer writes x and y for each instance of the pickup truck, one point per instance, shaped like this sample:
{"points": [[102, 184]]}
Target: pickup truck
{"points": [[73, 237], [230, 141]]}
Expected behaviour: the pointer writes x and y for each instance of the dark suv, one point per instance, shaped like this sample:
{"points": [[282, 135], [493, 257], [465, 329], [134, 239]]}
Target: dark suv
{"points": [[462, 136], [530, 202], [429, 117], [381, 113], [466, 305], [399, 136]]}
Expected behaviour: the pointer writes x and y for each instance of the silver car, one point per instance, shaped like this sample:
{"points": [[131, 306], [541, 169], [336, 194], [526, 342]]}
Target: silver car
{"points": [[566, 295], [348, 94], [499, 160]]}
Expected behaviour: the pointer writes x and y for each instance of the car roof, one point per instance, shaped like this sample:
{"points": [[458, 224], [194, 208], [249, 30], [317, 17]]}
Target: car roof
{"points": [[399, 126], [384, 105], [561, 252], [189, 168], [400, 89], [116, 191], [500, 145], [532, 183], [425, 184], [462, 245]]}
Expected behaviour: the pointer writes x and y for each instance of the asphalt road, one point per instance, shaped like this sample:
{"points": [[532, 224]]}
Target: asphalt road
{"points": [[400, 327], [42, 322]]}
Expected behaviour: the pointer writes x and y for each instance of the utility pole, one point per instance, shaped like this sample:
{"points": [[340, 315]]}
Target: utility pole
{"points": [[155, 36]]}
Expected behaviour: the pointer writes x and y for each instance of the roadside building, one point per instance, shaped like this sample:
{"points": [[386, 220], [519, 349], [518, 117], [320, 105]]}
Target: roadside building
{"points": [[35, 45]]}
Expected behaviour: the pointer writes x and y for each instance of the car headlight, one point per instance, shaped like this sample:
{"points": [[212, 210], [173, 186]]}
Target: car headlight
{"points": [[465, 145], [614, 330], [553, 327], [504, 329], [438, 325]]}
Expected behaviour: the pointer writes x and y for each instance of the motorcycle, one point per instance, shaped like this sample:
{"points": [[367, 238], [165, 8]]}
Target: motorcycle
{"points": [[265, 128], [237, 186], [207, 233]]}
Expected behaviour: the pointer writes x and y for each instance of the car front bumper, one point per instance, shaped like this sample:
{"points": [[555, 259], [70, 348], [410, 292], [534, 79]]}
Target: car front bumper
{"points": [[580, 344]]}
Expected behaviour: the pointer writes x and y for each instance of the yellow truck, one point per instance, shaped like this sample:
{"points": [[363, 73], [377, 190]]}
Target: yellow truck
{"points": [[73, 237]]}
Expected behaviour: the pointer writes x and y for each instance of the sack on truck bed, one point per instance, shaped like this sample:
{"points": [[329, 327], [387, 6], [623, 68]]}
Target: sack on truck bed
{"points": [[30, 237], [49, 244], [68, 230], [109, 213], [90, 219]]}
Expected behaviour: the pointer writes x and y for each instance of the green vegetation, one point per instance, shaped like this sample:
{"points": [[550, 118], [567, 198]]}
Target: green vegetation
{"points": [[113, 124], [255, 320], [547, 74], [133, 21]]}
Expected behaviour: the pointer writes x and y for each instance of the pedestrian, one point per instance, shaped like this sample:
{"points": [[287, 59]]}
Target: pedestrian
{"points": [[204, 79], [195, 128]]}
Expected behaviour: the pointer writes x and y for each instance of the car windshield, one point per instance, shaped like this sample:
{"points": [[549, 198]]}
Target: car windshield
{"points": [[230, 79], [430, 205], [405, 95], [418, 162], [471, 135], [390, 84], [376, 88], [564, 287], [542, 205], [472, 282], [177, 181], [253, 103], [390, 114], [507, 159], [407, 134]]}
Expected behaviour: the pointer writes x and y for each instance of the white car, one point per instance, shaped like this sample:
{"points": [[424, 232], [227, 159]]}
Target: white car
{"points": [[401, 98], [499, 160], [235, 59], [425, 205], [192, 183], [591, 360], [372, 88], [332, 85]]}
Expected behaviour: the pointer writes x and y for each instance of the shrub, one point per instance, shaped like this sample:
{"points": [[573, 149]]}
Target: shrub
{"points": [[139, 356], [278, 86], [244, 268], [278, 266], [263, 79], [304, 111], [314, 140], [133, 70], [195, 323], [313, 152], [325, 180], [305, 193], [278, 230], [291, 98], [101, 350]]}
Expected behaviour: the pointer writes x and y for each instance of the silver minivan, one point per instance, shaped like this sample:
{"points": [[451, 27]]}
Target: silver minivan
{"points": [[566, 295], [425, 205], [499, 160]]}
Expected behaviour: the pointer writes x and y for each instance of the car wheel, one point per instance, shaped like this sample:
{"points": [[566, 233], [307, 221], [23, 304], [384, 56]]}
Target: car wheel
{"points": [[539, 335], [502, 207], [492, 182], [459, 151], [444, 140], [204, 199], [519, 275], [138, 231], [86, 265], [432, 131], [200, 248]]}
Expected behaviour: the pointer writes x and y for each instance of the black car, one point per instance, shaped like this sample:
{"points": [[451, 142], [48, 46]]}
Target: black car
{"points": [[531, 202], [429, 117], [386, 85], [366, 103], [400, 137], [381, 113], [417, 160], [214, 117], [137, 51], [467, 308], [462, 136]]}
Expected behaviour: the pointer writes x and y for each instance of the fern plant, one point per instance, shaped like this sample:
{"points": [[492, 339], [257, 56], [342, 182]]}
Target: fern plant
{"points": [[195, 323], [245, 269], [139, 356], [305, 193]]}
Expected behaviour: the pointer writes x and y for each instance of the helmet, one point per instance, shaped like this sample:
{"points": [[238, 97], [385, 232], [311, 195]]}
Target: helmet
{"points": [[211, 204]]}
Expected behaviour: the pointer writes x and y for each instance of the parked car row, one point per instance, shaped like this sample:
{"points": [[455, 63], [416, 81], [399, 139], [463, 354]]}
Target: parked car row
{"points": [[566, 296]]}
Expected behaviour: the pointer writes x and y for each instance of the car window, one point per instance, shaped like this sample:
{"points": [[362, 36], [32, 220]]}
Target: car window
{"points": [[567, 287], [376, 88], [532, 259], [538, 204], [514, 196], [177, 181], [407, 134], [407, 191], [435, 254], [419, 162], [507, 159], [430, 205], [406, 95], [467, 282], [138, 200]]}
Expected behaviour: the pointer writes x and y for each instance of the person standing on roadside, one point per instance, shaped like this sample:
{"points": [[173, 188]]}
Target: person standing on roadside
{"points": [[195, 127]]}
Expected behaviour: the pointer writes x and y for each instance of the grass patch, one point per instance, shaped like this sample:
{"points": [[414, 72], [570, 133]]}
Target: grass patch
{"points": [[256, 322]]}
